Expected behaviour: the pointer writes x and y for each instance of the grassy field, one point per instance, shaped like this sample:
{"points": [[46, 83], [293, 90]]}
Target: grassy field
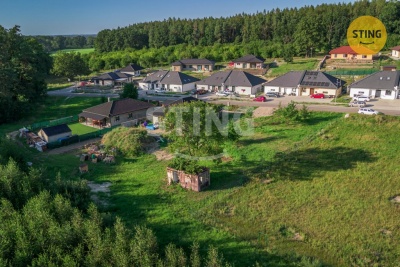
{"points": [[80, 129], [319, 189], [52, 108], [55, 83], [82, 51], [297, 64]]}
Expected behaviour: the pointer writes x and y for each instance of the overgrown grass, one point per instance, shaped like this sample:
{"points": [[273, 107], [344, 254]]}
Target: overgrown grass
{"points": [[56, 83], [52, 108], [81, 129], [297, 64], [328, 180]]}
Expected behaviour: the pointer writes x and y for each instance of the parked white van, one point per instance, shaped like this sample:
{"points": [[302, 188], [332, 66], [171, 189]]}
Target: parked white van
{"points": [[362, 98]]}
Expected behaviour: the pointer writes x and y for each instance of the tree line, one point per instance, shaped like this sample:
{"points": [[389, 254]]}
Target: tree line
{"points": [[60, 42], [303, 31]]}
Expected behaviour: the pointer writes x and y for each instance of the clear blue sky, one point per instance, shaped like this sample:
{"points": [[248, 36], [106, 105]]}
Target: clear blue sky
{"points": [[52, 17]]}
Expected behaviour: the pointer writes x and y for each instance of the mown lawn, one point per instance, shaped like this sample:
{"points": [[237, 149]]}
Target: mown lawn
{"points": [[297, 64], [329, 181], [81, 129], [52, 108]]}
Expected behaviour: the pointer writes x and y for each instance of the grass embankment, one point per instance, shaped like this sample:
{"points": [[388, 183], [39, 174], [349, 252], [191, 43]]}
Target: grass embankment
{"points": [[52, 108], [297, 64]]}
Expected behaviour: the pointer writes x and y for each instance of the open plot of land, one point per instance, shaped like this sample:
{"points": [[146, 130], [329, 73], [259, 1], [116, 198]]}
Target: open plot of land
{"points": [[297, 64]]}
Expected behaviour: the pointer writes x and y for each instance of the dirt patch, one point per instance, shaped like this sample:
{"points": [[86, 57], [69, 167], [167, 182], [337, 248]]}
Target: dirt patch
{"points": [[395, 199], [162, 155], [98, 192], [263, 112]]}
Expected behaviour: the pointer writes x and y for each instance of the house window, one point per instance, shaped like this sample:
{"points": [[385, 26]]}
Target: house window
{"points": [[190, 66], [325, 92], [272, 90], [303, 90], [117, 118], [364, 56], [344, 55], [388, 92], [335, 56], [293, 90], [130, 115]]}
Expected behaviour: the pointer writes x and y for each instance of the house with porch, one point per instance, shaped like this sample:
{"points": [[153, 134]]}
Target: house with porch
{"points": [[173, 81], [114, 113], [116, 78], [396, 51], [248, 62], [381, 84], [347, 53], [237, 81], [132, 69], [193, 64], [305, 83]]}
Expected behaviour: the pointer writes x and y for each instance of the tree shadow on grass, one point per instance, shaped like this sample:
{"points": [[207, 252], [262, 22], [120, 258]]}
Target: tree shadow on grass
{"points": [[246, 142], [310, 163]]}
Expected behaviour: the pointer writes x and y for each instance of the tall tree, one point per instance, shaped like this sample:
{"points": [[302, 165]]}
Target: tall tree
{"points": [[69, 65]]}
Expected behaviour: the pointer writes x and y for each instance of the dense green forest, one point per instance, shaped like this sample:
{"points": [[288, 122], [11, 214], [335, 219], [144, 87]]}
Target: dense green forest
{"points": [[303, 30]]}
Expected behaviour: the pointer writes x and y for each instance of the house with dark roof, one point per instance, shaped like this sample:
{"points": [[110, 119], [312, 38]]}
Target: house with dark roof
{"points": [[305, 83], [132, 69], [114, 113], [112, 79], [193, 64], [173, 81], [157, 113], [237, 81], [381, 84], [53, 133], [396, 51], [248, 62], [347, 53]]}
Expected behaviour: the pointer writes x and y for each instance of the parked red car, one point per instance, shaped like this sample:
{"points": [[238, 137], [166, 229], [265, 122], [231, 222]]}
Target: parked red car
{"points": [[317, 96], [260, 99]]}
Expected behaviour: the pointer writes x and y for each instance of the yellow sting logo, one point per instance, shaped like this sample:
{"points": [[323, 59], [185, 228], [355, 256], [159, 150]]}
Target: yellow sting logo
{"points": [[366, 35]]}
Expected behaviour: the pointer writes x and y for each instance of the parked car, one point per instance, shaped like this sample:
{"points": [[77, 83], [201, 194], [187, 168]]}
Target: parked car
{"points": [[202, 91], [231, 93], [317, 95], [360, 104], [272, 94], [260, 99], [221, 94], [368, 111], [362, 98], [160, 90]]}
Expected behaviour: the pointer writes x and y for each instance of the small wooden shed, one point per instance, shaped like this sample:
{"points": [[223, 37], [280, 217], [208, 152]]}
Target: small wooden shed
{"points": [[83, 168], [195, 182]]}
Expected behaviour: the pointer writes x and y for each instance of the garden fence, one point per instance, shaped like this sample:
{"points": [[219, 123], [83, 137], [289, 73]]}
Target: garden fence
{"points": [[66, 120], [352, 72]]}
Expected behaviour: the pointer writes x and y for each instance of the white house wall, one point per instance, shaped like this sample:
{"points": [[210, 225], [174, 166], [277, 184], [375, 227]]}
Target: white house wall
{"points": [[396, 53], [326, 91]]}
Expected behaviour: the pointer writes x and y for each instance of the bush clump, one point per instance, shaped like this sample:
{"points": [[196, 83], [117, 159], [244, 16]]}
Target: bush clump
{"points": [[188, 166], [128, 141]]}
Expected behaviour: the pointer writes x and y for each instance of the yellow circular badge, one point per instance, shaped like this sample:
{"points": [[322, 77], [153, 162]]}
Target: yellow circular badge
{"points": [[366, 35]]}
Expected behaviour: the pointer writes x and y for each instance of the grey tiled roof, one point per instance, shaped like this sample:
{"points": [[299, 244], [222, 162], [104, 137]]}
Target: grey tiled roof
{"points": [[379, 80], [131, 67], [232, 78], [190, 61], [307, 79], [117, 107], [112, 76], [249, 59], [169, 77]]}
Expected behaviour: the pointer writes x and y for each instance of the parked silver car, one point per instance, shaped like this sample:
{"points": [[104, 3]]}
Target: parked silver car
{"points": [[359, 104]]}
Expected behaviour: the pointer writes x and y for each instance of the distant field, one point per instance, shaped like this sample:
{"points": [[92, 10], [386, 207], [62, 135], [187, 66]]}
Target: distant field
{"points": [[82, 51], [284, 67]]}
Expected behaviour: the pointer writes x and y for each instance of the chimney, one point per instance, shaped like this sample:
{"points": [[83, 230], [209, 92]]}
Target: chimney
{"points": [[109, 99]]}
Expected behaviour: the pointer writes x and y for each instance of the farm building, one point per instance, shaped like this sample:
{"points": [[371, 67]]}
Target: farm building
{"points": [[53, 133], [237, 81], [382, 84], [114, 113], [305, 83], [173, 81]]}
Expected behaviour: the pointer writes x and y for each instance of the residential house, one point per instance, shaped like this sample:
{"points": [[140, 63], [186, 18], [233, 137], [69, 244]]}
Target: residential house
{"points": [[396, 51], [173, 81], [381, 84], [132, 69], [193, 64], [158, 113], [53, 133], [115, 112], [248, 62], [347, 53], [305, 83], [112, 79], [240, 82]]}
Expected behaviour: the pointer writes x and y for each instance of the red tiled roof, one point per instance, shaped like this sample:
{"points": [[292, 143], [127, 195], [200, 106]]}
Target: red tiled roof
{"points": [[343, 50], [397, 48]]}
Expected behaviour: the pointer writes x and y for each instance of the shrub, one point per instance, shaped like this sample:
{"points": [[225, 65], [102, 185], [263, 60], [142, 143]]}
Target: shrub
{"points": [[292, 113], [188, 166]]}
